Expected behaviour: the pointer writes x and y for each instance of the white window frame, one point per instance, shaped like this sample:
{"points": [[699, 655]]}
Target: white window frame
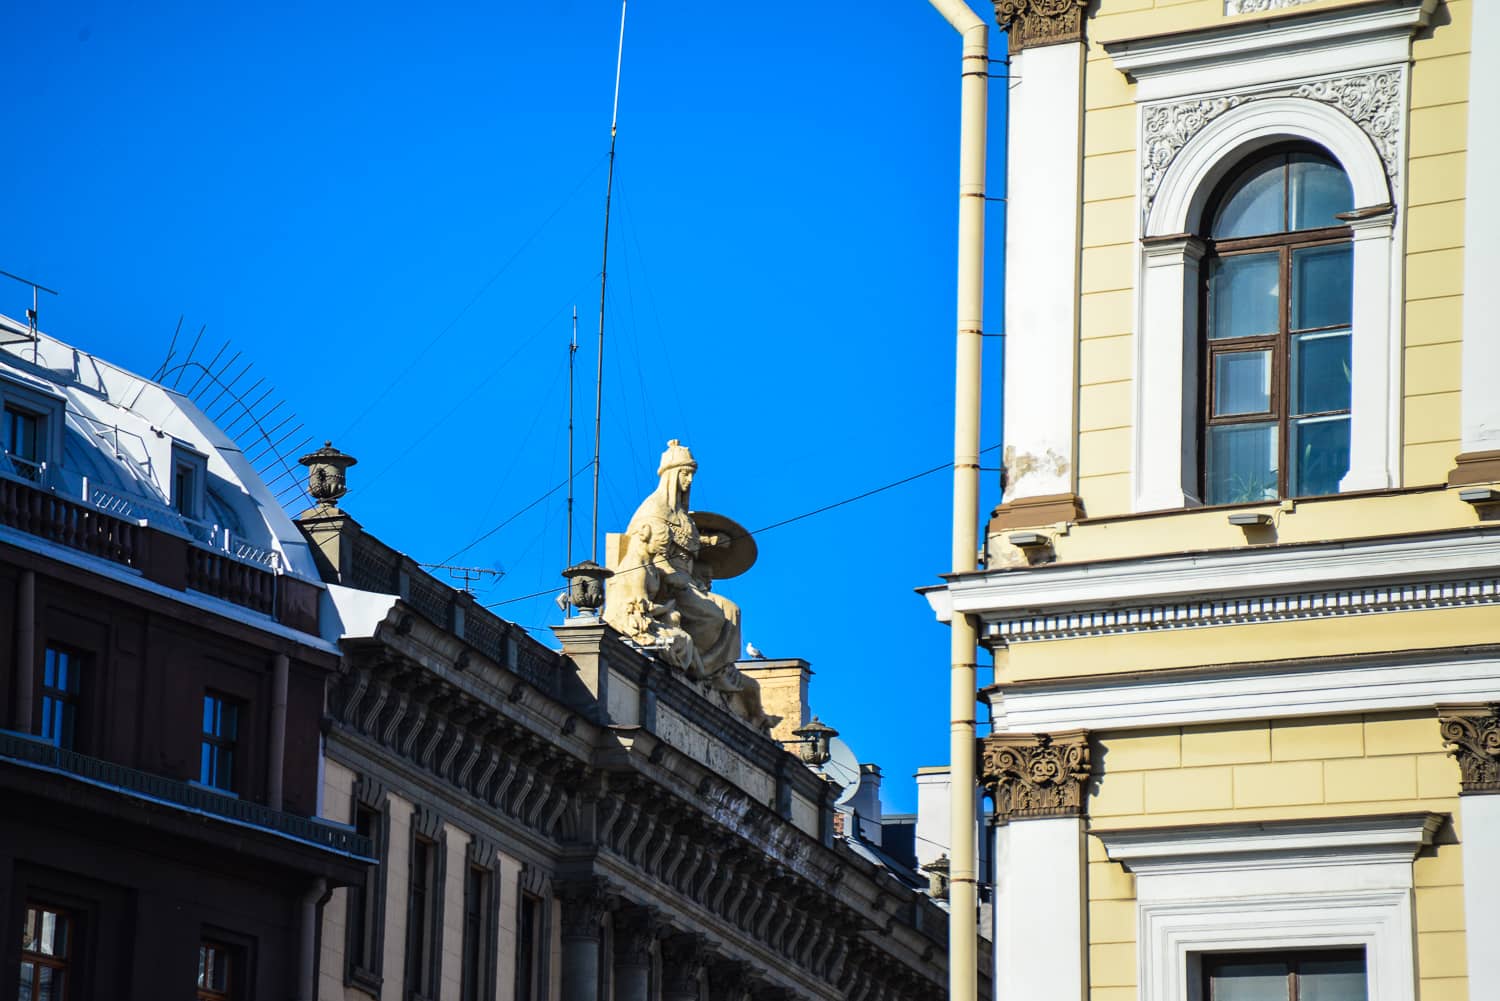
{"points": [[1258, 84], [1297, 884], [49, 412], [183, 455]]}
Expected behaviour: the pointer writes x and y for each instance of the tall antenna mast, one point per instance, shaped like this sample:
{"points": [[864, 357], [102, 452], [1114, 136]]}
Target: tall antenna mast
{"points": [[572, 351], [609, 190]]}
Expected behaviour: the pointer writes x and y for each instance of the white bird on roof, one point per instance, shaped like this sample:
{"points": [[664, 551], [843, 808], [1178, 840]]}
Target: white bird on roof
{"points": [[753, 653]]}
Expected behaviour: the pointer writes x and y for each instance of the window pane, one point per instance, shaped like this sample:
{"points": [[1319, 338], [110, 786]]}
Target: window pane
{"points": [[1323, 286], [1241, 463], [1249, 982], [1319, 190], [1319, 456], [48, 984], [1321, 372], [210, 706], [1255, 204], [28, 978], [1332, 980], [229, 720], [1242, 382], [1244, 295], [49, 669]]}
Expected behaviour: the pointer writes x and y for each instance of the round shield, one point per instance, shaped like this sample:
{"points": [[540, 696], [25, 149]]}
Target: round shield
{"points": [[736, 551]]}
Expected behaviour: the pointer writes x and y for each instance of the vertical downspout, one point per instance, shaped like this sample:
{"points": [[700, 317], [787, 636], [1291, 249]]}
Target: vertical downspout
{"points": [[25, 649], [276, 766], [963, 921]]}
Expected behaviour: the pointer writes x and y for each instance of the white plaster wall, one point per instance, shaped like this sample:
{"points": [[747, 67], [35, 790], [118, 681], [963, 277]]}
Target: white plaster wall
{"points": [[1479, 819], [338, 805], [624, 703], [805, 815], [1039, 930], [1041, 264], [1479, 403], [933, 821], [509, 888], [397, 874], [453, 912]]}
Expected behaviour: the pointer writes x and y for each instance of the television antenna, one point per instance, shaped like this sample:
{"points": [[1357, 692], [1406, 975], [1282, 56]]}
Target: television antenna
{"points": [[31, 314], [467, 576], [609, 189]]}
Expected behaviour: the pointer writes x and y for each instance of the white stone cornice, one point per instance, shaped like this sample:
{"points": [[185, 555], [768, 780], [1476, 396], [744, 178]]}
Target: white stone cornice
{"points": [[1260, 53], [1226, 847], [1067, 588], [1199, 696]]}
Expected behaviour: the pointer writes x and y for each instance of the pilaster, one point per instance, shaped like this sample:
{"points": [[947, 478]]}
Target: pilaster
{"points": [[1472, 734], [1479, 404], [583, 903]]}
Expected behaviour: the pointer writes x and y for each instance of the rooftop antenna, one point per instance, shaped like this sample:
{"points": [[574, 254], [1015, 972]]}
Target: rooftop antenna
{"points": [[465, 575], [609, 189], [36, 337], [572, 351]]}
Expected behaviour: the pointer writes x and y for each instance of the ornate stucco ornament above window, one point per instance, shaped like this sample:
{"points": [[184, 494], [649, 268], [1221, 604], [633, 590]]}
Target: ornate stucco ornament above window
{"points": [[1373, 101], [1232, 7], [1028, 23], [1472, 734], [1036, 774]]}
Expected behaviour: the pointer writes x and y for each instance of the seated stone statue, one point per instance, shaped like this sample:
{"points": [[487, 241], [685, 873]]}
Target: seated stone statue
{"points": [[661, 594]]}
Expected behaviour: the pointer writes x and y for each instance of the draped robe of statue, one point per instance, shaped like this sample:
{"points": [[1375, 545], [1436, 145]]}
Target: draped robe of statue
{"points": [[661, 593]]}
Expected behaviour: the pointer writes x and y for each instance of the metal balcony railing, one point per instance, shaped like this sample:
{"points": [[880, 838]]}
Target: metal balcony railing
{"points": [[28, 751]]}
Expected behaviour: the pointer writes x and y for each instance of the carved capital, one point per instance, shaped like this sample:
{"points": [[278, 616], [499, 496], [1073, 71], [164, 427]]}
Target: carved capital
{"points": [[635, 929], [683, 958], [584, 902], [1472, 734], [1036, 774], [1029, 23]]}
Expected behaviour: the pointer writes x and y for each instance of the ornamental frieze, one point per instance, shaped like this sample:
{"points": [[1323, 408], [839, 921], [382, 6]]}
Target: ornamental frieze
{"points": [[1373, 101], [1472, 735], [1036, 774], [1029, 23], [1232, 7]]}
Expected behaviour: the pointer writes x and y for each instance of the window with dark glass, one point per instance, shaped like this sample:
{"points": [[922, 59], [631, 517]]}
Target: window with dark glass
{"points": [[1286, 976], [479, 934], [215, 972], [423, 917], [24, 441], [528, 944], [1277, 308], [367, 904], [47, 950], [61, 670], [221, 726]]}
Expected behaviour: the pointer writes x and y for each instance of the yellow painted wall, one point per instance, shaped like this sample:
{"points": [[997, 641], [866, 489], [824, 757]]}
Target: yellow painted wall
{"points": [[1108, 252], [1375, 763]]}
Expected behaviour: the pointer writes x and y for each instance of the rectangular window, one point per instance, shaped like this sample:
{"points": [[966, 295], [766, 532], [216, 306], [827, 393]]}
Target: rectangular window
{"points": [[424, 914], [479, 934], [1286, 976], [528, 945], [189, 478], [47, 950], [61, 669], [216, 972], [221, 727], [367, 905], [25, 441]]}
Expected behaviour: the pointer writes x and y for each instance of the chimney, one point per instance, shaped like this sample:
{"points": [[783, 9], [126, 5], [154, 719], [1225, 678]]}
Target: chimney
{"points": [[783, 692]]}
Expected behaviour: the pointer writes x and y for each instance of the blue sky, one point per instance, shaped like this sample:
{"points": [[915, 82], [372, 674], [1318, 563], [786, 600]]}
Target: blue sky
{"points": [[392, 209]]}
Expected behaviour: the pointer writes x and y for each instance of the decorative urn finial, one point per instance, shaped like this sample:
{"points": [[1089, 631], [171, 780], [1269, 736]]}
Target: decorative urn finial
{"points": [[325, 474], [813, 744], [586, 585]]}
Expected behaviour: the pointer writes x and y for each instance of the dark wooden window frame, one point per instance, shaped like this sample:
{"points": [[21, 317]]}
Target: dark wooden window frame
{"points": [[529, 916], [70, 964], [424, 906], [1291, 957], [363, 960], [77, 662], [479, 963], [1279, 343], [231, 957], [235, 746]]}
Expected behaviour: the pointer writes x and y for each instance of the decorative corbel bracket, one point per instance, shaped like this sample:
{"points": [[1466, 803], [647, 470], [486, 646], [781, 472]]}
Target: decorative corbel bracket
{"points": [[1035, 775]]}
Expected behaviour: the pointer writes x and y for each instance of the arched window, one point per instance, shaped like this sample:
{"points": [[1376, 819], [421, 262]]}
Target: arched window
{"points": [[1277, 311]]}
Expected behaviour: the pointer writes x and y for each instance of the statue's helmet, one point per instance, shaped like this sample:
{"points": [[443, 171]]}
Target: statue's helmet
{"points": [[676, 456]]}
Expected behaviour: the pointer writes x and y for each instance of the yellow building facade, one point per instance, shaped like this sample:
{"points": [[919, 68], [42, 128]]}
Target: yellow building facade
{"points": [[1242, 589]]}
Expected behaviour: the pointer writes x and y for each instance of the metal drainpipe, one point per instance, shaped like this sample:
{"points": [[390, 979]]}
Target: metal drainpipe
{"points": [[276, 765], [25, 649], [963, 922]]}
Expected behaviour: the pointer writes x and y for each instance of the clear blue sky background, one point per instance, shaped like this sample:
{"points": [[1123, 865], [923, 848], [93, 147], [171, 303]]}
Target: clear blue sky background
{"points": [[391, 209]]}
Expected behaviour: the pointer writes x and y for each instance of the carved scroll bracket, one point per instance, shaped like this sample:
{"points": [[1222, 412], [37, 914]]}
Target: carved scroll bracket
{"points": [[1472, 735], [1029, 23], [1036, 774]]}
